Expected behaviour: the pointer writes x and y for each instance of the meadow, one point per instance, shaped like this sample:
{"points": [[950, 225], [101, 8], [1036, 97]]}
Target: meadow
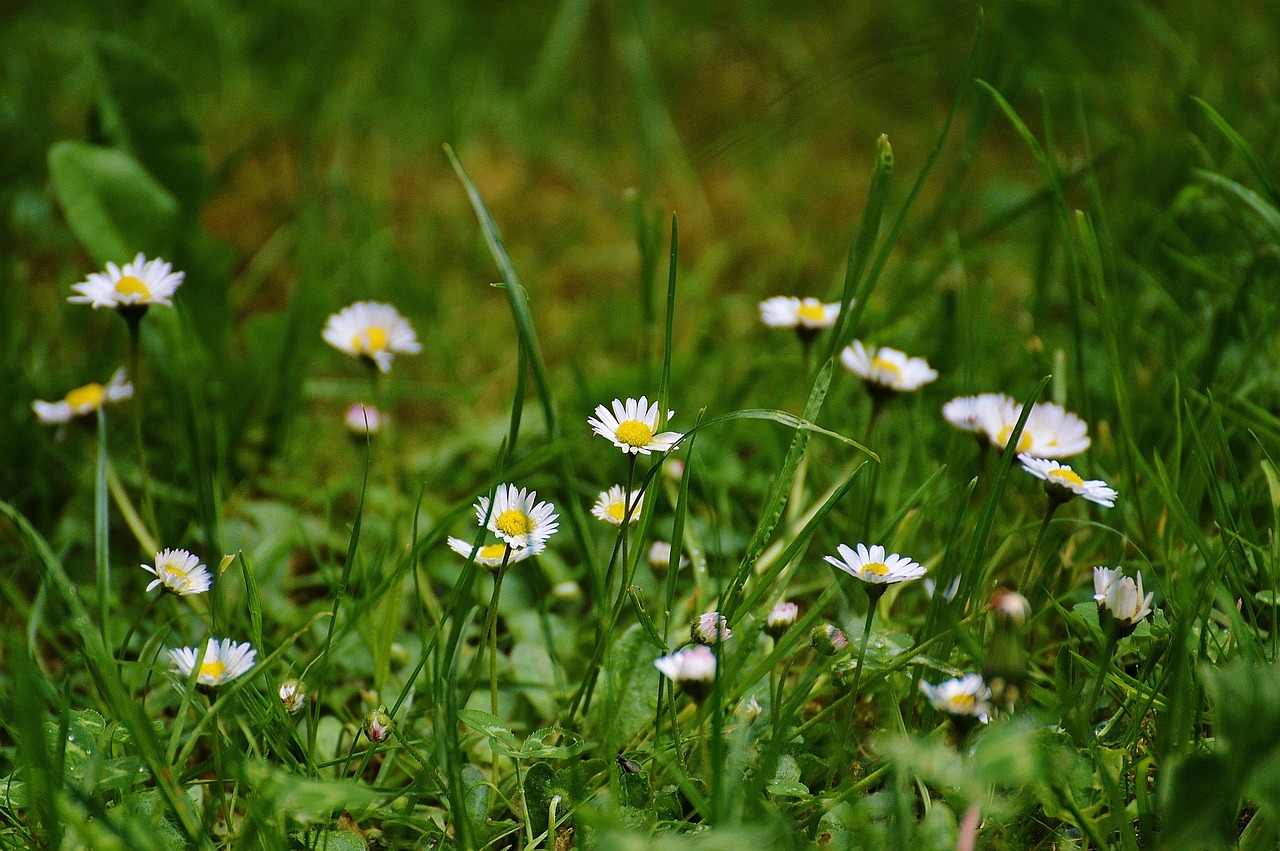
{"points": [[625, 425]]}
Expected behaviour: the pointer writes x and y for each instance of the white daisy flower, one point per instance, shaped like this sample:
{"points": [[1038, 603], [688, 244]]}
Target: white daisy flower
{"points": [[180, 572], [710, 628], [83, 400], [660, 557], [692, 668], [808, 314], [1062, 483], [362, 419], [139, 284], [493, 555], [611, 506], [872, 566], [223, 661], [967, 697], [965, 412], [373, 331], [1050, 431], [293, 694], [632, 426], [517, 517], [1121, 597], [887, 368]]}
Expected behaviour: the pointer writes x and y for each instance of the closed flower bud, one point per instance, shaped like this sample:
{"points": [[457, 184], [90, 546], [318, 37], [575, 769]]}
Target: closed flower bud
{"points": [[781, 618], [293, 694], [710, 628], [828, 639], [1010, 606], [377, 724], [693, 669]]}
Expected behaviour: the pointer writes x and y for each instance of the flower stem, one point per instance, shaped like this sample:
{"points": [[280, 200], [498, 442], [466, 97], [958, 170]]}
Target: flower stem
{"points": [[1104, 668], [148, 506], [1028, 570], [862, 652], [101, 536]]}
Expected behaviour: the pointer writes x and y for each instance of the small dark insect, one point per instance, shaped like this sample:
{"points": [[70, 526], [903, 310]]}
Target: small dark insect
{"points": [[627, 765]]}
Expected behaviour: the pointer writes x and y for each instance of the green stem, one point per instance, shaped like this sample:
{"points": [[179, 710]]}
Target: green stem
{"points": [[874, 593], [491, 631], [1108, 653], [148, 506], [101, 537], [1028, 570]]}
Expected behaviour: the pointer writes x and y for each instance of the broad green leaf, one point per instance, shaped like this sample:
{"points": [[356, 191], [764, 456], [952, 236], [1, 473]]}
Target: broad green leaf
{"points": [[113, 206], [304, 799], [568, 744], [498, 733]]}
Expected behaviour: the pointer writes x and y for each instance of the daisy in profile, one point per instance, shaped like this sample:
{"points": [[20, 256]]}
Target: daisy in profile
{"points": [[1062, 483], [965, 700], [84, 400], [966, 412], [493, 555], [132, 289], [293, 694], [885, 371], [1051, 431], [1120, 600], [517, 517], [872, 566], [373, 331], [611, 506], [693, 669], [223, 661], [807, 314], [180, 572], [632, 426]]}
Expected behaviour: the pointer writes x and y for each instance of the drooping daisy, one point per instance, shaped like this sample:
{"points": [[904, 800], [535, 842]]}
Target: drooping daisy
{"points": [[1050, 431], [692, 668], [137, 286], [517, 517], [710, 628], [83, 400], [965, 412], [1062, 483], [873, 566], [886, 369], [1120, 598], [371, 330], [293, 694], [783, 311], [362, 419], [611, 506], [180, 572], [493, 555], [224, 661], [965, 698], [633, 426]]}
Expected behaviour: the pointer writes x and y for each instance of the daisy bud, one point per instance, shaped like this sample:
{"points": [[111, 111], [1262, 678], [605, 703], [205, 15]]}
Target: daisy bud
{"points": [[673, 470], [710, 628], [1121, 604], [1010, 606], [660, 557], [781, 618], [363, 419], [377, 724], [751, 710], [567, 590], [828, 640], [293, 694], [693, 669]]}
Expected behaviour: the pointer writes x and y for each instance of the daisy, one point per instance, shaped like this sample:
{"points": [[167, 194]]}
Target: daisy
{"points": [[293, 694], [967, 697], [373, 331], [1050, 431], [137, 286], [781, 618], [83, 400], [660, 556], [872, 566], [887, 369], [965, 412], [1062, 483], [493, 555], [632, 426], [611, 506], [223, 661], [710, 628], [807, 314], [362, 419], [1120, 597], [517, 518], [180, 572], [693, 669]]}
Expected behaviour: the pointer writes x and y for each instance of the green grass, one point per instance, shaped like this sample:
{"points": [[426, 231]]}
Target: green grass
{"points": [[577, 201]]}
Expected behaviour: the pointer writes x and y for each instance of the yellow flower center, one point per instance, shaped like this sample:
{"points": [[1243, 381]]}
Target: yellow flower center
{"points": [[513, 522], [962, 702], [128, 285], [811, 313], [634, 433], [1024, 442], [617, 510], [86, 398], [178, 578], [370, 341], [214, 669], [887, 366], [1066, 477], [879, 568], [492, 550]]}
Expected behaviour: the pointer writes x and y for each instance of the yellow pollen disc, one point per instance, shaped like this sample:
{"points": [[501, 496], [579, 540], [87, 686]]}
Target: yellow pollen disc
{"points": [[370, 341], [492, 550], [811, 313], [879, 568], [617, 510], [1066, 477], [129, 285], [886, 366], [86, 398], [214, 670], [963, 702], [634, 433], [513, 521], [1024, 442]]}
